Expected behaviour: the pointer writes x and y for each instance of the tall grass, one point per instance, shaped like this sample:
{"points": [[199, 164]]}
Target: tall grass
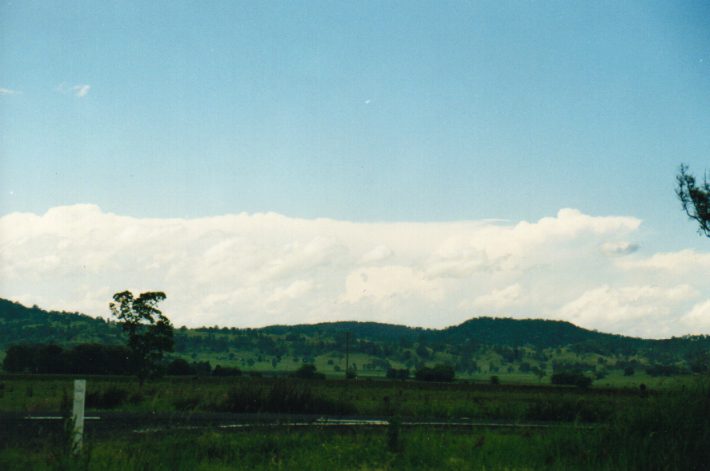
{"points": [[282, 397], [312, 450], [668, 431], [671, 431]]}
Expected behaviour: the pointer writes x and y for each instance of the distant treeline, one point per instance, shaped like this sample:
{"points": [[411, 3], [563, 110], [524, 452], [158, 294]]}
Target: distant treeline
{"points": [[94, 359], [88, 358]]}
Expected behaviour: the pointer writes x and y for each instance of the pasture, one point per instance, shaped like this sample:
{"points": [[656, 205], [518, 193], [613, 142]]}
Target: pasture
{"points": [[276, 425]]}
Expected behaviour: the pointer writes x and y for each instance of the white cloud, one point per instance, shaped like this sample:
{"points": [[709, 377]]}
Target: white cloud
{"points": [[81, 90], [78, 90], [647, 310], [698, 319], [258, 269], [673, 262], [500, 299], [377, 254], [7, 91]]}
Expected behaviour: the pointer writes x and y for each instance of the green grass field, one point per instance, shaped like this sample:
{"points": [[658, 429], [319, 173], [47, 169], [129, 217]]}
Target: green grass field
{"points": [[595, 428], [363, 397]]}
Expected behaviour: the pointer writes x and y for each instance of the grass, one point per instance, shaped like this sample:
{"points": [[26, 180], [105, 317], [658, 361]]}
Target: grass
{"points": [[664, 430], [508, 402], [420, 449]]}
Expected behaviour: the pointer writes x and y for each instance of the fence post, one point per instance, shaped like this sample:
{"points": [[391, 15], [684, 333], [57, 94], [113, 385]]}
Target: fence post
{"points": [[78, 414]]}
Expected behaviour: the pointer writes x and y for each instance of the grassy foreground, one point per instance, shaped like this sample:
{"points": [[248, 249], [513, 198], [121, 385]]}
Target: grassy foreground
{"points": [[314, 450], [48, 394], [593, 429]]}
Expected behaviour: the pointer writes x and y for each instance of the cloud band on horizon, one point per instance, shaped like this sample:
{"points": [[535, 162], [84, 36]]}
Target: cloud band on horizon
{"points": [[266, 268]]}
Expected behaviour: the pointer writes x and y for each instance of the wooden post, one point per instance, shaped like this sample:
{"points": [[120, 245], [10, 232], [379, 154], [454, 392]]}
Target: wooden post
{"points": [[78, 415]]}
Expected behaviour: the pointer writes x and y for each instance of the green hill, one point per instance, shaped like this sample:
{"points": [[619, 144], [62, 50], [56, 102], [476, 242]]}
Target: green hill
{"points": [[478, 346]]}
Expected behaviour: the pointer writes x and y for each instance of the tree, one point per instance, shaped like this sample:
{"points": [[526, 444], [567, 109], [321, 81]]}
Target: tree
{"points": [[695, 198], [150, 333]]}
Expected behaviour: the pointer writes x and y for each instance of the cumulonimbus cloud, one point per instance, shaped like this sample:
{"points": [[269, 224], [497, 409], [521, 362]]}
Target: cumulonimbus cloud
{"points": [[266, 268]]}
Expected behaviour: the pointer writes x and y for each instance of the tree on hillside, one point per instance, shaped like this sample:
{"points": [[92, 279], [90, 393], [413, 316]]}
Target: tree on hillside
{"points": [[695, 198], [150, 333]]}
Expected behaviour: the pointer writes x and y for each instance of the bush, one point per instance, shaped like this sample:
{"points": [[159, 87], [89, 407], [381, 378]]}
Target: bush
{"points": [[282, 397], [308, 372], [224, 371], [665, 370], [398, 373], [179, 367], [441, 373], [571, 379], [109, 398]]}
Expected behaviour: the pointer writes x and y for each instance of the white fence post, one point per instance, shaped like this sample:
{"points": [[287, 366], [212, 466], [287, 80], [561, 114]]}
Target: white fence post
{"points": [[78, 414]]}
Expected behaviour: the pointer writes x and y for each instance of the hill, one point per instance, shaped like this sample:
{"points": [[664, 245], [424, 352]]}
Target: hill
{"points": [[478, 346]]}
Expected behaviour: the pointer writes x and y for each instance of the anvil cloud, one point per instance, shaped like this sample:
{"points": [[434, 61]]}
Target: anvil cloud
{"points": [[260, 269]]}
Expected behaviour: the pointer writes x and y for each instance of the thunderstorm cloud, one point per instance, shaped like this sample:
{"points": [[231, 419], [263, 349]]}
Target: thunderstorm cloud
{"points": [[266, 268]]}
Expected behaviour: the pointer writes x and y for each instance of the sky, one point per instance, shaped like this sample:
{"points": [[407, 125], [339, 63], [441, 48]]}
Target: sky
{"points": [[411, 162]]}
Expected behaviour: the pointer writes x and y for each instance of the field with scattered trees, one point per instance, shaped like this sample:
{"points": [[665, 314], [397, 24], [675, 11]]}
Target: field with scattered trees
{"points": [[487, 394]]}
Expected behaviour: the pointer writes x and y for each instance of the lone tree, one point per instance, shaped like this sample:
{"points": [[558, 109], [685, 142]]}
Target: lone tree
{"points": [[695, 198], [150, 333]]}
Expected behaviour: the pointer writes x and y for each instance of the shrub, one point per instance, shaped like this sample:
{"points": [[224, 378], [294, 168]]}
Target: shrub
{"points": [[664, 370], [308, 372], [224, 371], [282, 397], [571, 379], [398, 373], [443, 373], [179, 367], [109, 398]]}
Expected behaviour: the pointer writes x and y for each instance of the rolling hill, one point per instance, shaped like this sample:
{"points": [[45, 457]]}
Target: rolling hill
{"points": [[483, 345]]}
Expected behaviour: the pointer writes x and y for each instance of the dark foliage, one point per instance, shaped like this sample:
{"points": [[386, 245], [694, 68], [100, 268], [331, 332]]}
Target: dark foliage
{"points": [[695, 198], [308, 372], [109, 398], [179, 367], [665, 370], [398, 373], [281, 397], [150, 333], [81, 359], [442, 373], [224, 371], [571, 379]]}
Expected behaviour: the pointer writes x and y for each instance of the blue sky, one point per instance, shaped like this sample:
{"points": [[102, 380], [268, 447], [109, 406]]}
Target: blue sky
{"points": [[357, 111]]}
